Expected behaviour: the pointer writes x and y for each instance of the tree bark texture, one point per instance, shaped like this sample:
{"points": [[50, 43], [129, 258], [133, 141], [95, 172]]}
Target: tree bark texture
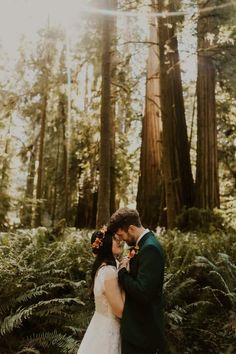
{"points": [[29, 192], [39, 188], [104, 190], [176, 161], [207, 184], [151, 178], [113, 203]]}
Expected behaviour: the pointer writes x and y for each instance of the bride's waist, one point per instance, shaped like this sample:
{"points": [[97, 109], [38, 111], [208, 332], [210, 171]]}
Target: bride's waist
{"points": [[105, 313]]}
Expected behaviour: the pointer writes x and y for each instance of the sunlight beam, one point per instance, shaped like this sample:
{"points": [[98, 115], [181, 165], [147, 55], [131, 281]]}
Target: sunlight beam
{"points": [[95, 10]]}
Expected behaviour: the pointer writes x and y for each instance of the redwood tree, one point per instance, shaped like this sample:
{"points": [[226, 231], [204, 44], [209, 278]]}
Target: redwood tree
{"points": [[150, 184], [104, 190], [207, 184], [176, 162]]}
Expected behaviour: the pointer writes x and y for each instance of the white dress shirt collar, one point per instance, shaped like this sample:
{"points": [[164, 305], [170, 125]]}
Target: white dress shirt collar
{"points": [[142, 234]]}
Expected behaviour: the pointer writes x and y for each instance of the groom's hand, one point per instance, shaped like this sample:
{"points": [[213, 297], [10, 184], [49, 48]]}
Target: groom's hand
{"points": [[124, 263]]}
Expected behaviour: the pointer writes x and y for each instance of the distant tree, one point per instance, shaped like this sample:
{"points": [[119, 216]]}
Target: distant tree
{"points": [[5, 158], [114, 73], [27, 210], [150, 187], [104, 190], [207, 183], [176, 162], [38, 110]]}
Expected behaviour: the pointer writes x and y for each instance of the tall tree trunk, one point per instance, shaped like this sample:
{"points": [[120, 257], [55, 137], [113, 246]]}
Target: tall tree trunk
{"points": [[67, 135], [87, 206], [176, 164], [26, 219], [39, 188], [4, 181], [151, 179], [207, 184], [104, 191], [113, 107], [54, 198], [64, 121], [86, 103]]}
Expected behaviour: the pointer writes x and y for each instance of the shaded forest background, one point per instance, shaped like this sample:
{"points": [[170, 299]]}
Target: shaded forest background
{"points": [[119, 103], [104, 119]]}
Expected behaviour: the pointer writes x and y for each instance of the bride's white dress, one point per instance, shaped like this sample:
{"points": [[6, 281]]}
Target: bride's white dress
{"points": [[103, 333]]}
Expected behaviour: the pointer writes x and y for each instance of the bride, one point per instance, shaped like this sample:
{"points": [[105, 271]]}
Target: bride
{"points": [[103, 333]]}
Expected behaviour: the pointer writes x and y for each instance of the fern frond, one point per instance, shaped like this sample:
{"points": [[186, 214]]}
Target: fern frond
{"points": [[32, 294], [45, 340], [176, 315], [74, 330], [221, 298], [196, 306], [66, 282], [15, 321], [173, 278], [205, 261], [217, 280], [231, 267], [182, 289], [28, 296], [29, 350]]}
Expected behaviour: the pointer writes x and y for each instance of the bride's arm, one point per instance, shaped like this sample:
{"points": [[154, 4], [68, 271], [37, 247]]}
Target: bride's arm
{"points": [[114, 296]]}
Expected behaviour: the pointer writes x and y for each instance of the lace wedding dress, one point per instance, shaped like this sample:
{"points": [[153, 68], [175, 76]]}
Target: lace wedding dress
{"points": [[103, 333]]}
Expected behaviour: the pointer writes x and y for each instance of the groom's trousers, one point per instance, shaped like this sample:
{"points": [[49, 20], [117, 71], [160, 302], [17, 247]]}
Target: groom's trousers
{"points": [[128, 348]]}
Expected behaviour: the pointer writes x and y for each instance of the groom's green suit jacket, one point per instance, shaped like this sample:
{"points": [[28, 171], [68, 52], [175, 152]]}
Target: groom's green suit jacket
{"points": [[142, 323]]}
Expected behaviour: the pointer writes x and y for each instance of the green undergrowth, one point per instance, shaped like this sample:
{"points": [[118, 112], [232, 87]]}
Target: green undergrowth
{"points": [[45, 304]]}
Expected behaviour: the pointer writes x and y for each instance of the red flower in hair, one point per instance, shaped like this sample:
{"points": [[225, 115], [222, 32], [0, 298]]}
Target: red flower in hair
{"points": [[99, 239], [97, 243]]}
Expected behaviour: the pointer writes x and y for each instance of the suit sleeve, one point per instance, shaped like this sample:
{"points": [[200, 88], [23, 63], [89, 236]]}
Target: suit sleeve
{"points": [[144, 288]]}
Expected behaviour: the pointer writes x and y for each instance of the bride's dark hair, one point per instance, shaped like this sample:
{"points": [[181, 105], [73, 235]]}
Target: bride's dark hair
{"points": [[102, 247]]}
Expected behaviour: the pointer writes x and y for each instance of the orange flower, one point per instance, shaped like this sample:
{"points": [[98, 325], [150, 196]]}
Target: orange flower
{"points": [[97, 243], [100, 236], [133, 251]]}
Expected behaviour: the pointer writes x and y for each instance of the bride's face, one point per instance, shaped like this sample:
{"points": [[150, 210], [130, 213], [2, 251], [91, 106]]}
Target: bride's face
{"points": [[116, 246]]}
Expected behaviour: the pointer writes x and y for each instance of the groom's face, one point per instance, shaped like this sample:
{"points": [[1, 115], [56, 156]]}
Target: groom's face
{"points": [[127, 236]]}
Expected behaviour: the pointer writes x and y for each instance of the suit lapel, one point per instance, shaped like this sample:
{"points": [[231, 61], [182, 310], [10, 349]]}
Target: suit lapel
{"points": [[144, 238], [134, 260]]}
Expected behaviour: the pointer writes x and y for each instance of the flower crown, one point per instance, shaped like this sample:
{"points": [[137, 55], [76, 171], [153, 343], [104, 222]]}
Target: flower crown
{"points": [[98, 242]]}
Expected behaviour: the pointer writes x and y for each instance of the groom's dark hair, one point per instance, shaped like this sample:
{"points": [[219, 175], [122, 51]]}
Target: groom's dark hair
{"points": [[123, 218]]}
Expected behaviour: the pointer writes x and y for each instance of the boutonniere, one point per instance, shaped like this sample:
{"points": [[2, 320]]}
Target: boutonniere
{"points": [[133, 251]]}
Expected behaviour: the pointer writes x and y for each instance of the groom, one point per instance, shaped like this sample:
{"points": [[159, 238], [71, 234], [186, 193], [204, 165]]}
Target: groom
{"points": [[142, 323]]}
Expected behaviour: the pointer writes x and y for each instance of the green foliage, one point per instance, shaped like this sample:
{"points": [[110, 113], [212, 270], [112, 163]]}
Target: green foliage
{"points": [[200, 291], [43, 290], [199, 220], [44, 280], [4, 207]]}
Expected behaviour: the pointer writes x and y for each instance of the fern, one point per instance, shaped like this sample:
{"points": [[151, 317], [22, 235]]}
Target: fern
{"points": [[176, 315], [29, 350], [217, 280], [66, 344], [15, 321], [180, 292], [42, 285], [198, 306]]}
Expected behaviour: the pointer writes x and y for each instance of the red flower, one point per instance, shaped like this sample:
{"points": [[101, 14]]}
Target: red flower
{"points": [[97, 243], [133, 251]]}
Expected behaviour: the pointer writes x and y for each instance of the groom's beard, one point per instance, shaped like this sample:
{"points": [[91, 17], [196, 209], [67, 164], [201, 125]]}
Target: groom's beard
{"points": [[131, 241]]}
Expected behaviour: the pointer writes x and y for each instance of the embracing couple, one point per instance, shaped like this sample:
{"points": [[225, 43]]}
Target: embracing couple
{"points": [[128, 316]]}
